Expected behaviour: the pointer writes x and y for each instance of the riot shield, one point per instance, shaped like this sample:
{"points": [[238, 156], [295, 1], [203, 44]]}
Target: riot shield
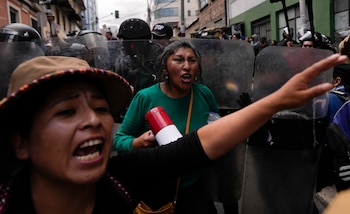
{"points": [[283, 156], [133, 62], [97, 46], [227, 69], [11, 55]]}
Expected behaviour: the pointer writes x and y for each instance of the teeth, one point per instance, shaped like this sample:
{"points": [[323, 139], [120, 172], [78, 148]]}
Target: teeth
{"points": [[90, 143], [88, 157]]}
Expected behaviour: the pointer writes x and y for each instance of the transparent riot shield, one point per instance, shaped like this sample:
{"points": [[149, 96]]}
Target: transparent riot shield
{"points": [[227, 69], [11, 55], [282, 157], [96, 43], [115, 49]]}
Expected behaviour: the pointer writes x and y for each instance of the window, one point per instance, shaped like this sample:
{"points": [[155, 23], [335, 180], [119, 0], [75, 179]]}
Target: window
{"points": [[340, 5], [341, 14], [164, 1], [64, 23], [188, 13], [14, 16], [35, 24], [166, 12], [58, 18], [262, 28], [294, 22], [202, 3]]}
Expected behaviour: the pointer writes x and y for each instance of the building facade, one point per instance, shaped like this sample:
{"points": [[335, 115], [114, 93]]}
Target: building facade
{"points": [[90, 20], [52, 18], [266, 19], [171, 12], [212, 19], [12, 11]]}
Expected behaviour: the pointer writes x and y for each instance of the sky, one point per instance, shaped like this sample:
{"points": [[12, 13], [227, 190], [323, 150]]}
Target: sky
{"points": [[127, 9]]}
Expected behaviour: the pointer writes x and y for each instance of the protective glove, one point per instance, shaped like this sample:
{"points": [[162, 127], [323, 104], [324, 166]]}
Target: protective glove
{"points": [[262, 137], [244, 100]]}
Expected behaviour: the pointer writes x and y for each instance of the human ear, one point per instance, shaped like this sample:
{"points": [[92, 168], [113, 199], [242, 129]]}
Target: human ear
{"points": [[20, 145], [337, 81]]}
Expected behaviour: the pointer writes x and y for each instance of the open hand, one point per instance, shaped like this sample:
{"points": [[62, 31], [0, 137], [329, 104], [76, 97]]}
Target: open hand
{"points": [[295, 92]]}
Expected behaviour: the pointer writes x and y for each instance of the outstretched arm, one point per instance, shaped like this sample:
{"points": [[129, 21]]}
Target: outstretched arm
{"points": [[222, 135]]}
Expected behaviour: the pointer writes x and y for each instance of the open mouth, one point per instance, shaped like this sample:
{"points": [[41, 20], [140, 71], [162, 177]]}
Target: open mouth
{"points": [[89, 150], [186, 78]]}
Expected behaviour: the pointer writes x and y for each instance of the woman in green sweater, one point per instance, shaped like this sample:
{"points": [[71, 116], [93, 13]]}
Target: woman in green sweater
{"points": [[180, 67]]}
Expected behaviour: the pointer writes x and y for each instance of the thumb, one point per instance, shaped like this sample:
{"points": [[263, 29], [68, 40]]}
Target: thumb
{"points": [[150, 136]]}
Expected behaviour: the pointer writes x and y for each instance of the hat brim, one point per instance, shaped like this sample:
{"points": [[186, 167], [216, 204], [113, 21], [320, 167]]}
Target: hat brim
{"points": [[117, 90], [158, 34]]}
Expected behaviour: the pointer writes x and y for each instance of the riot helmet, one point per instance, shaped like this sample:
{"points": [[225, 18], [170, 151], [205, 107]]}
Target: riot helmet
{"points": [[136, 34], [91, 39], [320, 40], [305, 36], [18, 32], [83, 32], [132, 29], [18, 43]]}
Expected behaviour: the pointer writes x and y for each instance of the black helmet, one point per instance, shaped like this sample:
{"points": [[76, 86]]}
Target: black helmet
{"points": [[134, 29], [18, 32]]}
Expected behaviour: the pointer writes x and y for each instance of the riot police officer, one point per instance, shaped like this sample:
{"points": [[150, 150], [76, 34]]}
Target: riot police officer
{"points": [[137, 63]]}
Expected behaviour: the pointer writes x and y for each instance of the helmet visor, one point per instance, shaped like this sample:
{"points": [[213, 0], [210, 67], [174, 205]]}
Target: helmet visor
{"points": [[8, 37]]}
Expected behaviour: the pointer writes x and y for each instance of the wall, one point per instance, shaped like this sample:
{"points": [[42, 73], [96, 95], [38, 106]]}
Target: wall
{"points": [[213, 15], [323, 16]]}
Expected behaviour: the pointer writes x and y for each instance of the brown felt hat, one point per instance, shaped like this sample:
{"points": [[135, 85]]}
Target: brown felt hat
{"points": [[34, 72]]}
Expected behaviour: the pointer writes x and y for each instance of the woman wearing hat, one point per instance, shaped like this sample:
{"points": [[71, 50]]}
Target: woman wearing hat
{"points": [[56, 129]]}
